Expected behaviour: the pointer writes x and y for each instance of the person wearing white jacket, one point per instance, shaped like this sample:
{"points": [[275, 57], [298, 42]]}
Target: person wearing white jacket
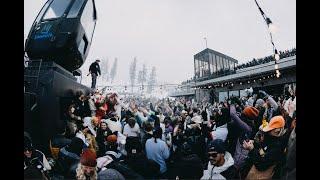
{"points": [[221, 163]]}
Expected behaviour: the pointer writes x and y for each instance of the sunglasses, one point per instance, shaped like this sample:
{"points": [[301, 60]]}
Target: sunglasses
{"points": [[28, 149], [212, 154]]}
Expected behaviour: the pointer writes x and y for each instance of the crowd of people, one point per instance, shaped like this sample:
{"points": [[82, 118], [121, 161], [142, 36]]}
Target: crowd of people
{"points": [[254, 62], [107, 136]]}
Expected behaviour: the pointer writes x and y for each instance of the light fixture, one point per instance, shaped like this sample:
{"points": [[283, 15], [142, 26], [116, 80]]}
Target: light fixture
{"points": [[276, 55], [278, 73]]}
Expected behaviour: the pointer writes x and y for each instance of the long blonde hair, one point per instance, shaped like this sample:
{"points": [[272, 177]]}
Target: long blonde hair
{"points": [[92, 143], [81, 176]]}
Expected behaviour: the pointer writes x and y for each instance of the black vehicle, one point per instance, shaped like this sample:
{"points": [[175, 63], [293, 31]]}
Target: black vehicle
{"points": [[62, 32], [57, 46]]}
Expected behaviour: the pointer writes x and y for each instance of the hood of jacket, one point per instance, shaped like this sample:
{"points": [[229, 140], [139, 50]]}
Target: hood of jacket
{"points": [[213, 172]]}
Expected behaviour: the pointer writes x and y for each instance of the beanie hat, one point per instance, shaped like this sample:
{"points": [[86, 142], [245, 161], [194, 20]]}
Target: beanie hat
{"points": [[217, 145], [112, 138], [27, 143], [251, 112], [275, 122], [88, 158]]}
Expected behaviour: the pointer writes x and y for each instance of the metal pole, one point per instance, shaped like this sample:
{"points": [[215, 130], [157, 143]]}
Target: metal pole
{"points": [[206, 42]]}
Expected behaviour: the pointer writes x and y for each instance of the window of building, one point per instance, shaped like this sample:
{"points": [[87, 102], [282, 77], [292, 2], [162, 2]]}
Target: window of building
{"points": [[56, 9], [74, 11], [87, 20], [43, 10], [83, 45], [211, 64]]}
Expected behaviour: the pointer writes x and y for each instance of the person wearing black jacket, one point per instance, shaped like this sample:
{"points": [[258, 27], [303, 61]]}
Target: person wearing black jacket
{"points": [[82, 105], [187, 164], [268, 152], [94, 70], [102, 133]]}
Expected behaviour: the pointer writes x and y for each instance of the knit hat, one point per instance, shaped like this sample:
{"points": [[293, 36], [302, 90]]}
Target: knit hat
{"points": [[27, 141], [112, 138], [88, 158], [251, 112], [217, 145], [275, 122]]}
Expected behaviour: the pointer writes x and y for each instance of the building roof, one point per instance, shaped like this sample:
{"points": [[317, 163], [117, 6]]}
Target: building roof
{"points": [[288, 62], [214, 52]]}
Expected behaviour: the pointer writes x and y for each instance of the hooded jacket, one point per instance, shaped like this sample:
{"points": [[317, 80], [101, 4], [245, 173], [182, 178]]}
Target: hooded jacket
{"points": [[226, 171], [267, 153]]}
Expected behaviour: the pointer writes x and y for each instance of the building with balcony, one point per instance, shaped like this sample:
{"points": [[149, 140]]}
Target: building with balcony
{"points": [[210, 64]]}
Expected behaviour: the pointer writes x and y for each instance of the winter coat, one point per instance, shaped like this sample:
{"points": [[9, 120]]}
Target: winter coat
{"points": [[268, 153], [95, 68], [226, 171], [145, 137], [143, 166], [37, 158], [187, 167], [240, 155], [236, 128], [125, 170], [100, 139], [290, 166], [82, 108], [67, 162]]}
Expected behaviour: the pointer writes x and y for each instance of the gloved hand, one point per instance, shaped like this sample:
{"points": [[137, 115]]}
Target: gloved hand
{"points": [[263, 94]]}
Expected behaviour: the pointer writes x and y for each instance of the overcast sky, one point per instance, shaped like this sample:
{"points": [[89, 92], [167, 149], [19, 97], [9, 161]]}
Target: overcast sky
{"points": [[167, 33]]}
